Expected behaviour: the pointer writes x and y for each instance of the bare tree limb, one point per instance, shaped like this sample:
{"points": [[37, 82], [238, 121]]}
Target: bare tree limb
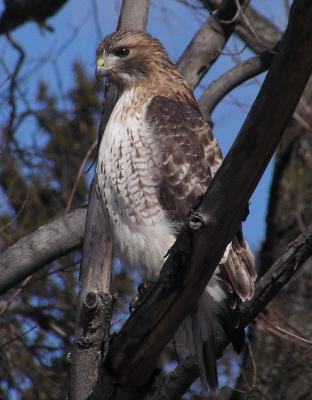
{"points": [[194, 256], [267, 32], [231, 79], [133, 15], [207, 44], [278, 275], [95, 302], [175, 384], [260, 34], [47, 243]]}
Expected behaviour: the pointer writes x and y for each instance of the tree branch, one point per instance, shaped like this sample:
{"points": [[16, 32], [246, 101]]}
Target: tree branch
{"points": [[47, 243], [95, 302], [133, 15], [195, 255], [207, 44], [175, 384], [267, 34], [231, 79]]}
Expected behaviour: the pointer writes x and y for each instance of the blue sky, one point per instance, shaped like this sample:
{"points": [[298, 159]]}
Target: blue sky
{"points": [[79, 27]]}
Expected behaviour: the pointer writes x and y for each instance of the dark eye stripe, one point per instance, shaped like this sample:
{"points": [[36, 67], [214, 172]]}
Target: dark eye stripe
{"points": [[121, 52]]}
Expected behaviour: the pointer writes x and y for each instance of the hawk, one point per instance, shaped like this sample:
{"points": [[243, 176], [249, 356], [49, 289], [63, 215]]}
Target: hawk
{"points": [[157, 155]]}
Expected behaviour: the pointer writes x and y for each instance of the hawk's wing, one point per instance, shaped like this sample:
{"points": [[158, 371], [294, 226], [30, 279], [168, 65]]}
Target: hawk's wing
{"points": [[190, 158], [190, 153]]}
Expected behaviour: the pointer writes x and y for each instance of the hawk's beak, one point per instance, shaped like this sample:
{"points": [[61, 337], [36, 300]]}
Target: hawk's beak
{"points": [[100, 68]]}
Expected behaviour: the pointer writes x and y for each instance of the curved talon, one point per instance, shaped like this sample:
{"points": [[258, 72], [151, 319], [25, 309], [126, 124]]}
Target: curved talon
{"points": [[143, 288]]}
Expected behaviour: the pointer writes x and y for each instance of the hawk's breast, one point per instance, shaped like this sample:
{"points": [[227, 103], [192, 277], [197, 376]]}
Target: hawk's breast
{"points": [[128, 174]]}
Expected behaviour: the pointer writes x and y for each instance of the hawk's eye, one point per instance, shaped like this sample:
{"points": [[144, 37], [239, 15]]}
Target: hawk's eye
{"points": [[121, 52]]}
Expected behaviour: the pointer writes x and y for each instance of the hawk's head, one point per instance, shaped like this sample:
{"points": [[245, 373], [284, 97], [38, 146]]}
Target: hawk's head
{"points": [[128, 56]]}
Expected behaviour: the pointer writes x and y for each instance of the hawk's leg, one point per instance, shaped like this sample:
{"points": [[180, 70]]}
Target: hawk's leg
{"points": [[143, 288]]}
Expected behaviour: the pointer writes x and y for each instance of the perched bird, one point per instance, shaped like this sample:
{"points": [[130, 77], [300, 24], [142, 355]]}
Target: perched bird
{"points": [[157, 155]]}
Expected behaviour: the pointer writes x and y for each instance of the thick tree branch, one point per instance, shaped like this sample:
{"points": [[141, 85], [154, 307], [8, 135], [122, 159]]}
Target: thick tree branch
{"points": [[231, 79], [175, 384], [207, 44], [47, 243], [194, 256]]}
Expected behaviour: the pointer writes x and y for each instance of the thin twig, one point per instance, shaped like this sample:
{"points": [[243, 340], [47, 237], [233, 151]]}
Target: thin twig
{"points": [[13, 82], [79, 174], [18, 337], [97, 24], [287, 335], [2, 228]]}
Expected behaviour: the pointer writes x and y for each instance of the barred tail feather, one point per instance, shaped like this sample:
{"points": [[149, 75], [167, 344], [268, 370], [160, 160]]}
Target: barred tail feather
{"points": [[217, 310], [240, 269], [204, 343]]}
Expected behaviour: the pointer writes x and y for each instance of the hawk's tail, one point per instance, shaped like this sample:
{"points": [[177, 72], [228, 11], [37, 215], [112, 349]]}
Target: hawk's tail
{"points": [[217, 312], [216, 316]]}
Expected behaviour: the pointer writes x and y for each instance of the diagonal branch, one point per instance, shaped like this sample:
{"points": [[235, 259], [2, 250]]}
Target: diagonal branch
{"points": [[231, 79], [47, 243], [207, 44], [257, 31]]}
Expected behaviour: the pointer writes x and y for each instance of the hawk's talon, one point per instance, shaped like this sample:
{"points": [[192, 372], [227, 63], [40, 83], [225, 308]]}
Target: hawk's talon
{"points": [[143, 288]]}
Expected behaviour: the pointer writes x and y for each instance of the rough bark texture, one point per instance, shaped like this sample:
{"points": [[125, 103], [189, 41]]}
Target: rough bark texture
{"points": [[95, 303]]}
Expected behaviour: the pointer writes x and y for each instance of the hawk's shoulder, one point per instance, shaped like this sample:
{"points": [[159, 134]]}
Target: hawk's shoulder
{"points": [[190, 153]]}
